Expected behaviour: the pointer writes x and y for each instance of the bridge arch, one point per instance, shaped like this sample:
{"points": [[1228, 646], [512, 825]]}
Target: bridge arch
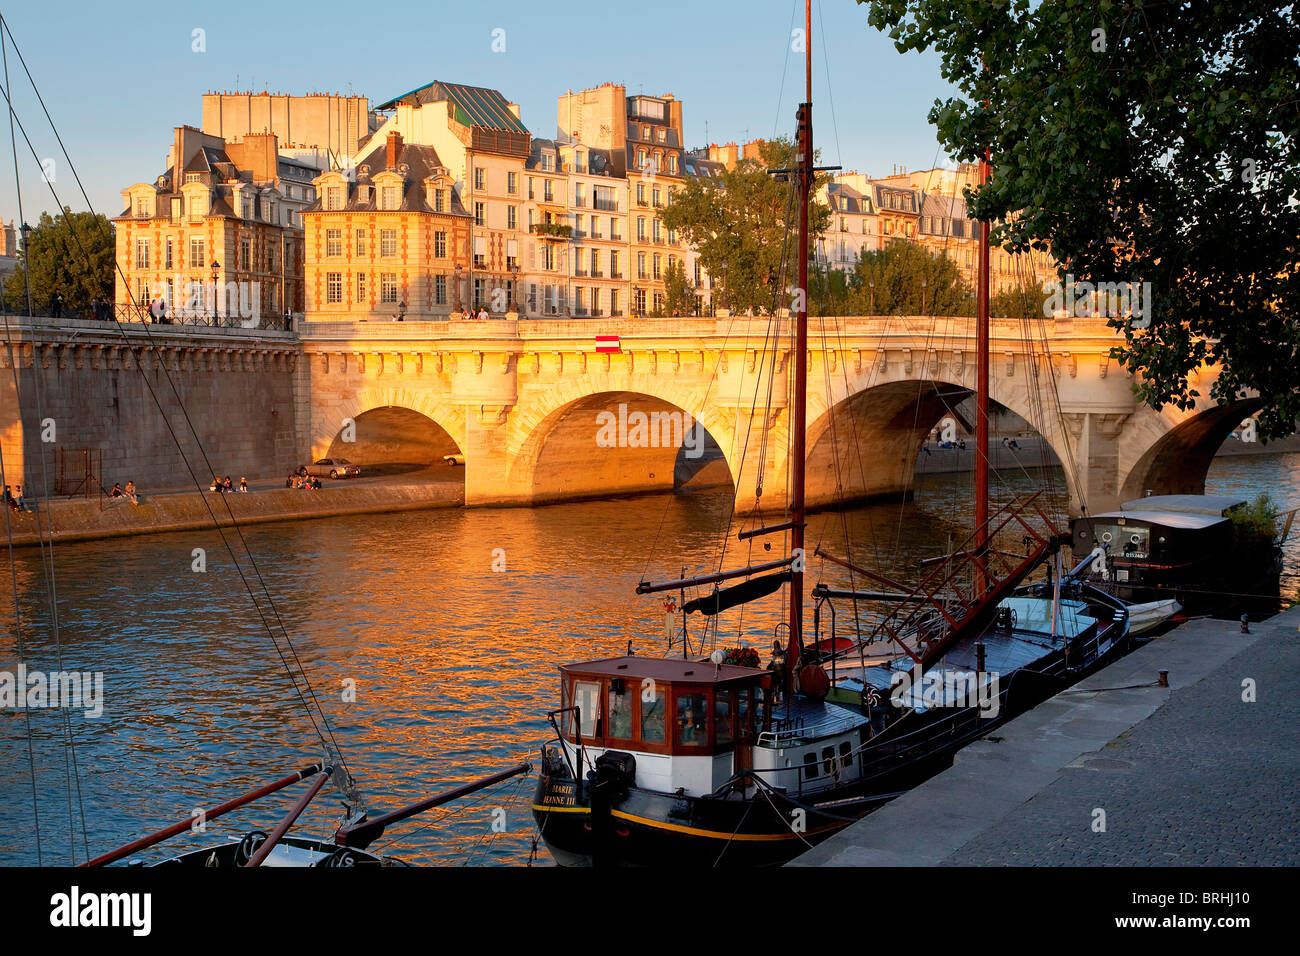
{"points": [[866, 438], [392, 426], [1177, 462], [595, 438]]}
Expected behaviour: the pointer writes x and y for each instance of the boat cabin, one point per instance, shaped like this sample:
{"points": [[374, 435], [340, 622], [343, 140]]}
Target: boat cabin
{"points": [[692, 725], [682, 720], [1160, 541]]}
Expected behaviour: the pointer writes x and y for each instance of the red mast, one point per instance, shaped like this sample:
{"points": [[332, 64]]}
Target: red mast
{"points": [[982, 397], [804, 155]]}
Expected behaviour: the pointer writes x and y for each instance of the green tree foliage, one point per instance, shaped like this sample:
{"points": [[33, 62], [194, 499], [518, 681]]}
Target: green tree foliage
{"points": [[738, 223], [1254, 525], [1145, 141], [889, 282], [1023, 302], [679, 296], [72, 255]]}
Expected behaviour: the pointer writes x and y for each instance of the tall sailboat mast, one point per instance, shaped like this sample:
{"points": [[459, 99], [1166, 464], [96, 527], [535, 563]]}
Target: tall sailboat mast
{"points": [[982, 398], [804, 156]]}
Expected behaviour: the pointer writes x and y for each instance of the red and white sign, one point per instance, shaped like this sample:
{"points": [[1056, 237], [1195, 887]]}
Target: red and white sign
{"points": [[607, 343]]}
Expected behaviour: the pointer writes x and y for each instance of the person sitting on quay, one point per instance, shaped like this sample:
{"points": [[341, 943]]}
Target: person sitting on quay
{"points": [[243, 484], [216, 485], [228, 486], [22, 502], [117, 491], [10, 500], [129, 491]]}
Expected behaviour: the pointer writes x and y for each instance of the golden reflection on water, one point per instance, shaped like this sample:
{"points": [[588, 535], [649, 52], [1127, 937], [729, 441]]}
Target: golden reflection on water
{"points": [[454, 663]]}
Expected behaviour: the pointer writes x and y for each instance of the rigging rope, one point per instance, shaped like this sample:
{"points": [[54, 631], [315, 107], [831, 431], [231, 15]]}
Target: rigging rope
{"points": [[327, 738]]}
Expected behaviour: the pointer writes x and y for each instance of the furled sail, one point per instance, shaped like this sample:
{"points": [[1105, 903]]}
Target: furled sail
{"points": [[751, 590]]}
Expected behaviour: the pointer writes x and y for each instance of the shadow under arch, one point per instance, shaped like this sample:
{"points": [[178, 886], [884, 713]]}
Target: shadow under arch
{"points": [[865, 446], [391, 439], [614, 443], [1180, 459]]}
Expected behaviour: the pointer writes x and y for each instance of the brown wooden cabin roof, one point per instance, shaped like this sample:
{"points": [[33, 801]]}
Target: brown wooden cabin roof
{"points": [[667, 671]]}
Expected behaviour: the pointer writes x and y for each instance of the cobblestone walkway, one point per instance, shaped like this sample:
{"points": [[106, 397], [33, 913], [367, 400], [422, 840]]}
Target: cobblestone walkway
{"points": [[1207, 780]]}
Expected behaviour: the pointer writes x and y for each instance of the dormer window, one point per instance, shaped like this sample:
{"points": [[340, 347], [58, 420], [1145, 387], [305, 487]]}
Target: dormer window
{"points": [[440, 200], [390, 197], [363, 193], [334, 197], [142, 210], [193, 177]]}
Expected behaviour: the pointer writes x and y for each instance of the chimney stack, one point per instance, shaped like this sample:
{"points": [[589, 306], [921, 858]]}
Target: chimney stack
{"points": [[394, 148]]}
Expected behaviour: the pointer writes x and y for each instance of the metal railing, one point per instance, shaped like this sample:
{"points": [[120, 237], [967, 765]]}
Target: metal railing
{"points": [[208, 318]]}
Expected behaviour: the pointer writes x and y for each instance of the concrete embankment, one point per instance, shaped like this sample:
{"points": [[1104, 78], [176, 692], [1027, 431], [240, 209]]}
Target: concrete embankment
{"points": [[1117, 771], [87, 519]]}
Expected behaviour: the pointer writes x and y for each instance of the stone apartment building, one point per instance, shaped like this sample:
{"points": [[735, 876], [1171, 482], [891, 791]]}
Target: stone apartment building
{"points": [[481, 140], [943, 227], [388, 237], [217, 233]]}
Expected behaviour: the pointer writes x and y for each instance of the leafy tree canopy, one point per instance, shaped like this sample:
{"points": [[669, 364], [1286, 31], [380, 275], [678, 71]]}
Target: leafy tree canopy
{"points": [[73, 256], [1144, 141], [738, 224], [904, 278], [679, 296]]}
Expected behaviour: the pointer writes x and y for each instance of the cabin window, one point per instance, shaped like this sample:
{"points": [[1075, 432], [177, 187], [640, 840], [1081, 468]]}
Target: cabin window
{"points": [[846, 755], [828, 759], [693, 720], [586, 698], [745, 713], [810, 765], [722, 718], [652, 715], [620, 715]]}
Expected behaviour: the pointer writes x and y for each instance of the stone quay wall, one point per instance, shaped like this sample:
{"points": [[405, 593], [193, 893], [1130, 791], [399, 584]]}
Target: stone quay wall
{"points": [[77, 393]]}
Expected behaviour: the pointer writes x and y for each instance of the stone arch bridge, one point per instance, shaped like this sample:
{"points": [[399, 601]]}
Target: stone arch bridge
{"points": [[525, 402]]}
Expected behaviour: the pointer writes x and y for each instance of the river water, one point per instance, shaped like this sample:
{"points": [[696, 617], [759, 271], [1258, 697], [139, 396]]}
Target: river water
{"points": [[447, 625]]}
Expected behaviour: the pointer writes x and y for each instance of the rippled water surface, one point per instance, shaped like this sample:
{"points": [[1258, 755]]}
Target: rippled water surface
{"points": [[454, 664]]}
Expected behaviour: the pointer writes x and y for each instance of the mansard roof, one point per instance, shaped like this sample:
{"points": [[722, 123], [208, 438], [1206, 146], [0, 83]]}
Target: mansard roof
{"points": [[420, 163], [473, 105]]}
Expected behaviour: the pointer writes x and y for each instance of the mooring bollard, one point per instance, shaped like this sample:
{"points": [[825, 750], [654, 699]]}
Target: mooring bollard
{"points": [[1163, 680], [1245, 624]]}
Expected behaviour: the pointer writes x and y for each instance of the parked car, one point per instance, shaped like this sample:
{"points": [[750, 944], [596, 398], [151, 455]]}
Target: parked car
{"points": [[333, 467]]}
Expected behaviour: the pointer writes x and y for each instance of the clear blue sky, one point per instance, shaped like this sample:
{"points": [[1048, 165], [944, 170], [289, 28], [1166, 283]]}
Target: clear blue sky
{"points": [[117, 77]]}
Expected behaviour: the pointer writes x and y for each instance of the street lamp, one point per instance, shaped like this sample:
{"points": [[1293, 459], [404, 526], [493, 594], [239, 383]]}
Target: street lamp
{"points": [[923, 285], [871, 284], [215, 266], [27, 267]]}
